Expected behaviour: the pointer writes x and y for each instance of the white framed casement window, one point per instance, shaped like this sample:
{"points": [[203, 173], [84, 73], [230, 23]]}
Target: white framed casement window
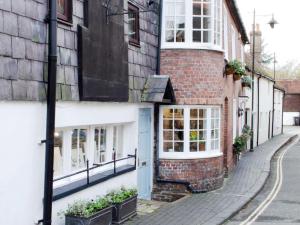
{"points": [[74, 146], [192, 24], [233, 43], [225, 32], [100, 146], [188, 132]]}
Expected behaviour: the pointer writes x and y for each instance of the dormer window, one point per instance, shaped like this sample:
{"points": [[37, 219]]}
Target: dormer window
{"points": [[192, 24]]}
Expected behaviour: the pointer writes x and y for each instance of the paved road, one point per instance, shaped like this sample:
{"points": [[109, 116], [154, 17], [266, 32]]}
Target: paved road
{"points": [[215, 207], [285, 208]]}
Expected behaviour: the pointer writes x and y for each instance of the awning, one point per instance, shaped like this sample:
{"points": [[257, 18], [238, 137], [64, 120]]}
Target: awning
{"points": [[158, 88]]}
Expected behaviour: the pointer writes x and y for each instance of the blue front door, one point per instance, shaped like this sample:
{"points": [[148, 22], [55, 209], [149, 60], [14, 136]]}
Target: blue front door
{"points": [[144, 154]]}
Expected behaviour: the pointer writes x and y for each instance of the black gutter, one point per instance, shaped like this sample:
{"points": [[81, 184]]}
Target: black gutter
{"points": [[258, 117], [50, 126], [159, 39]]}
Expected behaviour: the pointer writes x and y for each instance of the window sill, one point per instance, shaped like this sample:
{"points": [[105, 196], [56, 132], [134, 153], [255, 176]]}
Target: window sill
{"points": [[190, 155], [79, 185], [65, 22], [135, 44], [191, 46]]}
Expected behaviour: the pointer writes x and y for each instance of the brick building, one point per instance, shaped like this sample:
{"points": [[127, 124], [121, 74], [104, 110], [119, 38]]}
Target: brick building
{"points": [[103, 66], [196, 134], [291, 103]]}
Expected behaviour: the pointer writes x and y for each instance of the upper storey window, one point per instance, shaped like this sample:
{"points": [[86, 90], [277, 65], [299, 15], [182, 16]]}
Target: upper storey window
{"points": [[192, 24]]}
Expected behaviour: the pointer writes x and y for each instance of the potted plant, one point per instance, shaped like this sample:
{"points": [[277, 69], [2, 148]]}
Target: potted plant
{"points": [[124, 204], [246, 81], [97, 212], [240, 142], [236, 68]]}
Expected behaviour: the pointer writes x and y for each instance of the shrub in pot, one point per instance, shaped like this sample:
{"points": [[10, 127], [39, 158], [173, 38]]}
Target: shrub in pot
{"points": [[124, 204], [246, 81], [236, 68], [94, 212]]}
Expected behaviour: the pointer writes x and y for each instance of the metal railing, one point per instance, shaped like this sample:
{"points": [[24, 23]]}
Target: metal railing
{"points": [[97, 165]]}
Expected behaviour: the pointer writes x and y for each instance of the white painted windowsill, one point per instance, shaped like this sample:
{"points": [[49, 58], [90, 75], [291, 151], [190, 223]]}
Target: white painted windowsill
{"points": [[190, 155]]}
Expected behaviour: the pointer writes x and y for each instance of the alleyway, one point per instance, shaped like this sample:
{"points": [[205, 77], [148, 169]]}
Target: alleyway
{"points": [[215, 207]]}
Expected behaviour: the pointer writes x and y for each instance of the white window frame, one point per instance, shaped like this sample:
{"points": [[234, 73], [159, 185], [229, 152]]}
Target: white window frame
{"points": [[90, 151], [225, 32], [186, 154], [233, 43], [189, 44]]}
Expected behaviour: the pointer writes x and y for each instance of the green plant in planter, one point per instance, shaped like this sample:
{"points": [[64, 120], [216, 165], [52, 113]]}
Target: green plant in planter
{"points": [[246, 81], [83, 208], [236, 68], [240, 142], [116, 197]]}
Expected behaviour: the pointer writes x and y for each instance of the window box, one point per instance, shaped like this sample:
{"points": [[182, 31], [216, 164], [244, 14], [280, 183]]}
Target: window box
{"points": [[103, 217], [125, 210]]}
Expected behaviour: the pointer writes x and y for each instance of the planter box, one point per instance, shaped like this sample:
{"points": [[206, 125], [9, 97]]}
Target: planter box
{"points": [[124, 210], [103, 217]]}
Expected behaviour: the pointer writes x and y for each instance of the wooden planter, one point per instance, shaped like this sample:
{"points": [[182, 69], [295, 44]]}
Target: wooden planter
{"points": [[236, 77], [124, 210], [103, 217]]}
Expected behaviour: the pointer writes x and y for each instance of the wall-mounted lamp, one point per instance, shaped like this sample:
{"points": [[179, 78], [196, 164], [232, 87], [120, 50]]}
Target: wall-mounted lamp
{"points": [[109, 11], [240, 112]]}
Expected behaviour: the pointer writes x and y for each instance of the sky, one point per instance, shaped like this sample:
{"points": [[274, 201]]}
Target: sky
{"points": [[284, 39]]}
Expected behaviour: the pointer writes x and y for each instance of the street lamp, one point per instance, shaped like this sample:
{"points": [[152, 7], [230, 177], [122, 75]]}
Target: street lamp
{"points": [[272, 24]]}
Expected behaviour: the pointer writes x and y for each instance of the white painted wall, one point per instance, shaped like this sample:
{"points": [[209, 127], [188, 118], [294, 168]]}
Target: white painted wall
{"points": [[288, 118], [23, 126], [278, 101]]}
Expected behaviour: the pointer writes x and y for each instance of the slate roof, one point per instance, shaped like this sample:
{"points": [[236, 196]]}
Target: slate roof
{"points": [[158, 88]]}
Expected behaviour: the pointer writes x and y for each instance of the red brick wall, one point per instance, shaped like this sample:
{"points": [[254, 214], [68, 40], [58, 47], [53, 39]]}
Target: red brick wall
{"points": [[290, 86], [291, 103], [203, 174]]}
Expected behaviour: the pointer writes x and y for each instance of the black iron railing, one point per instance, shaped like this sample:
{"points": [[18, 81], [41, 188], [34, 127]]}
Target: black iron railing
{"points": [[97, 165]]}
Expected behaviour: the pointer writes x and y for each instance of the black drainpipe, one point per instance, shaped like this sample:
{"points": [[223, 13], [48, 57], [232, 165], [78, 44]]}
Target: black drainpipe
{"points": [[156, 105], [258, 113], [273, 112], [50, 126], [282, 113]]}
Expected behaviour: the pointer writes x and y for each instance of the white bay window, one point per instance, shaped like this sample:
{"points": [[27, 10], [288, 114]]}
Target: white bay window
{"points": [[189, 132], [192, 24]]}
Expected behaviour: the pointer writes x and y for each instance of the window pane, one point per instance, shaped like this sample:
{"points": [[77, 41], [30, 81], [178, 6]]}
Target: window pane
{"points": [[168, 124], [178, 135], [168, 113], [193, 124], [202, 146], [178, 124], [170, 36], [178, 113], [180, 22], [197, 36], [180, 36], [178, 147], [206, 22], [202, 113], [193, 147], [206, 36], [170, 21], [194, 135], [202, 135], [168, 135], [82, 147], [74, 153], [197, 23], [179, 9], [194, 113], [170, 8], [61, 6], [202, 124], [58, 153], [206, 9], [168, 147], [197, 9]]}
